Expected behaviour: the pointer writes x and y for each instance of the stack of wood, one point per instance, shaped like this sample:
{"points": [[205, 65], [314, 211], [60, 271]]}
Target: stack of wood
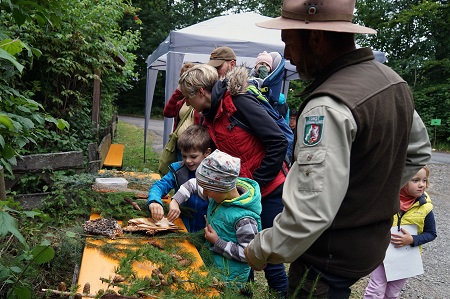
{"points": [[103, 226], [150, 226]]}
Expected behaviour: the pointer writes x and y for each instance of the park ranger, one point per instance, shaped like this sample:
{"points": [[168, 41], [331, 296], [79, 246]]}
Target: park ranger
{"points": [[358, 140]]}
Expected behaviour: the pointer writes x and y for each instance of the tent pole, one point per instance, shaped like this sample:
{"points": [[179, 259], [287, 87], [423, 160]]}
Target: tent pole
{"points": [[152, 74]]}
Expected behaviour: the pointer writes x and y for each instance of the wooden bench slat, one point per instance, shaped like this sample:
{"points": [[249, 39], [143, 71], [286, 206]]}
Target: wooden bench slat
{"points": [[115, 155], [55, 161], [103, 148]]}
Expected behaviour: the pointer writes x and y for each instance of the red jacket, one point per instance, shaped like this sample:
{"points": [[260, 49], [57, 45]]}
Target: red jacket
{"points": [[262, 153]]}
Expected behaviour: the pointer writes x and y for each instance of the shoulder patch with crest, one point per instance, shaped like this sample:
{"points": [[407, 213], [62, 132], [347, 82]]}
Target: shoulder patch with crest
{"points": [[313, 130]]}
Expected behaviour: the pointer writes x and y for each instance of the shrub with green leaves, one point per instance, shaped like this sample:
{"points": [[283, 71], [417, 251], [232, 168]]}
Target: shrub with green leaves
{"points": [[50, 55], [18, 262]]}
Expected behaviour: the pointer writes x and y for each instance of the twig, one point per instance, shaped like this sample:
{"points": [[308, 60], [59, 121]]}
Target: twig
{"points": [[115, 284], [142, 293], [8, 242], [58, 292], [111, 282], [135, 205]]}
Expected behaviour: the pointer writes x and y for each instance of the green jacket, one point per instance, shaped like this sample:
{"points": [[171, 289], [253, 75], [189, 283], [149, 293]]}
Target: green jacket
{"points": [[223, 218]]}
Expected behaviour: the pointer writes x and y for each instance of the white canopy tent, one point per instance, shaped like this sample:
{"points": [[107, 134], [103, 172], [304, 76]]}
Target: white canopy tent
{"points": [[195, 43]]}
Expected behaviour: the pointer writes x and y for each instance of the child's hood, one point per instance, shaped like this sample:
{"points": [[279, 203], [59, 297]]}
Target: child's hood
{"points": [[250, 198], [237, 80]]}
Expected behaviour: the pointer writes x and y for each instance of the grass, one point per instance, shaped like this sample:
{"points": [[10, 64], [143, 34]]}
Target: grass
{"points": [[133, 157], [441, 146], [133, 160]]}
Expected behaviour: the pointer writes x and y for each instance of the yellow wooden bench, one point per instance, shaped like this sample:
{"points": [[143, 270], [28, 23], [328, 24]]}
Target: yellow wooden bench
{"points": [[115, 155]]}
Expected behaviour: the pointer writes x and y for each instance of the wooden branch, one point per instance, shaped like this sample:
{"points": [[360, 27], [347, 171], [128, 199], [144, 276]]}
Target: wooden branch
{"points": [[112, 282], [115, 284], [58, 292], [111, 296], [135, 205]]}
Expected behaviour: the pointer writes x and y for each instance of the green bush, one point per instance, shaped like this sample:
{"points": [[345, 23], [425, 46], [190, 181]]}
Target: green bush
{"points": [[48, 71]]}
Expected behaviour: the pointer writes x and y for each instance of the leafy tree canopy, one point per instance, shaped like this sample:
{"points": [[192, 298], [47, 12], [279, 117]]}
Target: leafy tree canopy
{"points": [[50, 54], [414, 35]]}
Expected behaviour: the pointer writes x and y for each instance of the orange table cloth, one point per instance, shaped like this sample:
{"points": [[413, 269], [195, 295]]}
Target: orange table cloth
{"points": [[95, 264]]}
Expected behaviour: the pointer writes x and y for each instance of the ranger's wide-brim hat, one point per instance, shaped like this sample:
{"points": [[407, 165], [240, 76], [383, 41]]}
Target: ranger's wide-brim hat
{"points": [[327, 15]]}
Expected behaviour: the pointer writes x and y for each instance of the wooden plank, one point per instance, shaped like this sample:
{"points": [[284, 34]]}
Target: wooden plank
{"points": [[114, 123], [37, 163], [103, 148], [96, 98], [2, 184], [113, 128], [92, 151], [94, 166], [33, 200], [114, 157], [55, 161]]}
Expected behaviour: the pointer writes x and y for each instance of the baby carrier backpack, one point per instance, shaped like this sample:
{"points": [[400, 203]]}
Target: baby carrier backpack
{"points": [[268, 92], [270, 86], [281, 122]]}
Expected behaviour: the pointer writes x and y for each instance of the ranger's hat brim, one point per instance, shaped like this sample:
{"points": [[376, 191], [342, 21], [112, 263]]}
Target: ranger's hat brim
{"points": [[327, 15]]}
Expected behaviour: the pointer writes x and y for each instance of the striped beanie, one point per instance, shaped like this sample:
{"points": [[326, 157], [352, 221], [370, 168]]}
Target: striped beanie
{"points": [[218, 172]]}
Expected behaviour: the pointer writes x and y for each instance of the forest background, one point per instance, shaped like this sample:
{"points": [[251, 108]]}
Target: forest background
{"points": [[52, 53]]}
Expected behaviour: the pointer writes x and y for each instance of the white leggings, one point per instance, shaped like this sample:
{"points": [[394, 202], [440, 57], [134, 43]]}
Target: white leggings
{"points": [[380, 288]]}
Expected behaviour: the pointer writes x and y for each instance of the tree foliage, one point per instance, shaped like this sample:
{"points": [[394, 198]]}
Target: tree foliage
{"points": [[414, 35], [21, 118], [50, 54]]}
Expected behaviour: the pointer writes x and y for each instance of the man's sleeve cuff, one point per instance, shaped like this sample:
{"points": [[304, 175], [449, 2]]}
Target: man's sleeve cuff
{"points": [[253, 259]]}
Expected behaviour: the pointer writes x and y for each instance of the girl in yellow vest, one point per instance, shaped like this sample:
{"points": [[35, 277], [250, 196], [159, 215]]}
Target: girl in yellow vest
{"points": [[416, 209]]}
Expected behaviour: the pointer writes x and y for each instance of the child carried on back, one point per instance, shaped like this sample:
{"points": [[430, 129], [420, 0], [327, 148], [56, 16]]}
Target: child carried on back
{"points": [[263, 65], [267, 76]]}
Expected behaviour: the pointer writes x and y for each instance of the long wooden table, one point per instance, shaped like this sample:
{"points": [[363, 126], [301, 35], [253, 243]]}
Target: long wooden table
{"points": [[96, 265]]}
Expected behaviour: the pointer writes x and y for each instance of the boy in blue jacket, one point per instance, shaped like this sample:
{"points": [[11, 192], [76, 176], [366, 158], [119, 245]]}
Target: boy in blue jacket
{"points": [[195, 145]]}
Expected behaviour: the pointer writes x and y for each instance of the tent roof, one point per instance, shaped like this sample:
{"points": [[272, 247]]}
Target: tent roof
{"points": [[238, 31], [195, 43]]}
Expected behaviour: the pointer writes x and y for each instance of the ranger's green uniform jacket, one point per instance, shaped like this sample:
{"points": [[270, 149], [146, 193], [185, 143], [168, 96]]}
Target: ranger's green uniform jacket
{"points": [[358, 141]]}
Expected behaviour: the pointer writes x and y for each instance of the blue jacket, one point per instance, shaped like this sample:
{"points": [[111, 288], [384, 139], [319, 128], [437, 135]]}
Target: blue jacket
{"points": [[179, 174]]}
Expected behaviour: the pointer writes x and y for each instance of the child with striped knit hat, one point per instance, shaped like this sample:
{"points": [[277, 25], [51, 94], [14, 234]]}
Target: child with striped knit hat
{"points": [[233, 215]]}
